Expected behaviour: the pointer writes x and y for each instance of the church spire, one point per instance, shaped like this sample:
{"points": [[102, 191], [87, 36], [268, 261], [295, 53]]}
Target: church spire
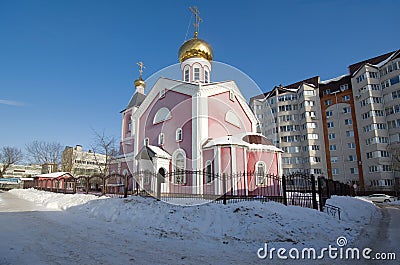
{"points": [[197, 20], [140, 85]]}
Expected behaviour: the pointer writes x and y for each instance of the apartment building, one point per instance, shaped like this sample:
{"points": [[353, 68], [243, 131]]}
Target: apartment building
{"points": [[82, 163], [22, 171], [340, 128], [290, 116], [376, 88]]}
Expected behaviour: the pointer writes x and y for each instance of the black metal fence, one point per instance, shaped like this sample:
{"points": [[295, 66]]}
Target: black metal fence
{"points": [[295, 189]]}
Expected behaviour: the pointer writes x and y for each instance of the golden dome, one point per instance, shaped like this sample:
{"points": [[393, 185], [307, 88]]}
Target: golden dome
{"points": [[140, 82], [195, 48]]}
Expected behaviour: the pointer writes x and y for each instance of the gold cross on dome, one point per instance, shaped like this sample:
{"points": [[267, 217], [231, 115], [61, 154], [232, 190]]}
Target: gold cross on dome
{"points": [[197, 19], [141, 66]]}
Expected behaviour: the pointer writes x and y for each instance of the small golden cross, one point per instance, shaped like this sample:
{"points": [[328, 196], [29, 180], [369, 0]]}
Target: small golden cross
{"points": [[197, 19], [141, 66]]}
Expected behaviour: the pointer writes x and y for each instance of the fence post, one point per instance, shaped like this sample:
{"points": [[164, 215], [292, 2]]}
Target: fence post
{"points": [[224, 186], [126, 186], [321, 204], [314, 192], [284, 190], [103, 192]]}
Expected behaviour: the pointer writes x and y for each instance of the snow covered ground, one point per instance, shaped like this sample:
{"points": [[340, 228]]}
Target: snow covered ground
{"points": [[154, 232]]}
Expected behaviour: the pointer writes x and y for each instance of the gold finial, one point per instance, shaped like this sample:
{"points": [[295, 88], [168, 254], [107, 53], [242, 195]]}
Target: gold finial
{"points": [[141, 66], [197, 20]]}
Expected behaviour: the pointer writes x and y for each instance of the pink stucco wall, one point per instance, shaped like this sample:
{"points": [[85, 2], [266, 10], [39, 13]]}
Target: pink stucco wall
{"points": [[218, 106], [180, 106]]}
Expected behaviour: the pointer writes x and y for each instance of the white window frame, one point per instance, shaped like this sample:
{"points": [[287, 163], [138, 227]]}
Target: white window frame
{"points": [[209, 175], [176, 169], [260, 178], [186, 74], [161, 139], [179, 135], [196, 74]]}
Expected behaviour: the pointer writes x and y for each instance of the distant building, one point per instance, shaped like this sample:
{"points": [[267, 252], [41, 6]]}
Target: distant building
{"points": [[22, 171], [49, 168], [82, 163]]}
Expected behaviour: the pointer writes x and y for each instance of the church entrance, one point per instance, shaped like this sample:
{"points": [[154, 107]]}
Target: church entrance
{"points": [[160, 181]]}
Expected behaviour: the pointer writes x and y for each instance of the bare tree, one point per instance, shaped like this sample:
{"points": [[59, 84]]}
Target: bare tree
{"points": [[9, 156], [394, 151], [105, 145], [41, 152]]}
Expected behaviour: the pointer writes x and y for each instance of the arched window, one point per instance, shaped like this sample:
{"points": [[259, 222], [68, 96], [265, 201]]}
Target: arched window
{"points": [[206, 77], [161, 139], [209, 172], [179, 134], [261, 170], [162, 114], [146, 141], [232, 118], [179, 165]]}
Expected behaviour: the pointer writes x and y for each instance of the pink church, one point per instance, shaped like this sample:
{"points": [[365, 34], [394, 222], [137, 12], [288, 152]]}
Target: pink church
{"points": [[193, 124]]}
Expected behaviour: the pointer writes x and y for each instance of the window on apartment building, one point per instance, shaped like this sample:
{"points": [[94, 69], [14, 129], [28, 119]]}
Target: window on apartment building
{"points": [[334, 159], [352, 158], [308, 92], [332, 147], [328, 102], [335, 171], [330, 124], [350, 133], [373, 75], [329, 114], [346, 98], [344, 87], [373, 169], [326, 91], [396, 94], [348, 121], [346, 110], [351, 145], [360, 78], [353, 170], [331, 136], [394, 80]]}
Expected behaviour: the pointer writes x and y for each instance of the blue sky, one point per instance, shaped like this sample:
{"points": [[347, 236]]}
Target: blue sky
{"points": [[67, 67]]}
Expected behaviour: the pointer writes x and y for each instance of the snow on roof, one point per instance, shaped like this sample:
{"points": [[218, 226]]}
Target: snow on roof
{"points": [[238, 140], [333, 79], [54, 175], [159, 152], [385, 61]]}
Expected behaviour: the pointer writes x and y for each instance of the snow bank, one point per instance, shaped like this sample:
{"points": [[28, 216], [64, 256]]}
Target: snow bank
{"points": [[355, 210], [253, 223], [57, 201]]}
